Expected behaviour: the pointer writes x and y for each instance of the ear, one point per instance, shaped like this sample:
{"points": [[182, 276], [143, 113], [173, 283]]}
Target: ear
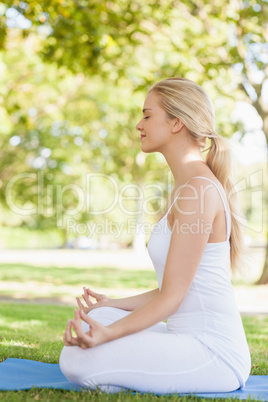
{"points": [[176, 126]]}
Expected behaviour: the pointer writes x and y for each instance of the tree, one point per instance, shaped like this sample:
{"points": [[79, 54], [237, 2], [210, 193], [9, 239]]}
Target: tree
{"points": [[221, 45], [237, 34], [100, 36], [56, 129]]}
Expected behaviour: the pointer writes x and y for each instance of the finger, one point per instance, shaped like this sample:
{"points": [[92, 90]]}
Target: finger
{"points": [[81, 337], [92, 293], [76, 316], [88, 320], [84, 316], [87, 298], [96, 295], [68, 339], [80, 305], [84, 340], [67, 333], [74, 340]]}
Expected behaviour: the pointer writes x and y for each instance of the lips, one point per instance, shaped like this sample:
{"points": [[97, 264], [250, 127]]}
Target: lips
{"points": [[143, 136]]}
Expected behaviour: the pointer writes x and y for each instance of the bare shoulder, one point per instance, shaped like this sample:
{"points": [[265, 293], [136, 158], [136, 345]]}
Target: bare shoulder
{"points": [[199, 196]]}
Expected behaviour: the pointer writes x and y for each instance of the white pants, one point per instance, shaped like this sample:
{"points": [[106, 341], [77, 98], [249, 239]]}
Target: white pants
{"points": [[153, 360]]}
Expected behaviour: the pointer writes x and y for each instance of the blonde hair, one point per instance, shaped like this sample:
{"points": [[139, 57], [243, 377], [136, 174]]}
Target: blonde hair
{"points": [[189, 102]]}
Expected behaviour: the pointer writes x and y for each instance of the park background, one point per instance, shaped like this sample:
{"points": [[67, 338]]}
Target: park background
{"points": [[78, 198]]}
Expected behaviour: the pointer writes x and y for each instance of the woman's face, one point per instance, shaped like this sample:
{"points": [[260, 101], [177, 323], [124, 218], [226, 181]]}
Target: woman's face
{"points": [[154, 127]]}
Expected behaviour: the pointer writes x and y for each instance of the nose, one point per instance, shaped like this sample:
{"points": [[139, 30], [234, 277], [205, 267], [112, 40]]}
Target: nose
{"points": [[139, 125]]}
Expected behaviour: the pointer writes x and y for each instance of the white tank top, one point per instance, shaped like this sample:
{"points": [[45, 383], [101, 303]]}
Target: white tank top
{"points": [[209, 311]]}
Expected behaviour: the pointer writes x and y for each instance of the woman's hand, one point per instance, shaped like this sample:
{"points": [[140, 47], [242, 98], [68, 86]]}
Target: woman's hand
{"points": [[96, 335], [101, 300]]}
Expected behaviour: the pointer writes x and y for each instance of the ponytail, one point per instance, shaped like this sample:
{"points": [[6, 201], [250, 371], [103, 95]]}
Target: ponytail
{"points": [[219, 161]]}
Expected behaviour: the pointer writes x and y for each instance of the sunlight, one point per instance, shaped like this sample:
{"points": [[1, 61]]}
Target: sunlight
{"points": [[6, 342], [20, 324]]}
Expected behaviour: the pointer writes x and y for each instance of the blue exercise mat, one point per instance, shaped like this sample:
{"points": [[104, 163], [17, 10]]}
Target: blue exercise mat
{"points": [[19, 374]]}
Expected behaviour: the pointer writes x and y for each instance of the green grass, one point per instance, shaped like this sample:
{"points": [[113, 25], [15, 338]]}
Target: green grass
{"points": [[256, 329], [55, 282], [33, 331], [106, 277], [60, 395]]}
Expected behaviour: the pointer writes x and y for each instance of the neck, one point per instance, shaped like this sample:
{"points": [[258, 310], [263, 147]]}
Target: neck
{"points": [[184, 163]]}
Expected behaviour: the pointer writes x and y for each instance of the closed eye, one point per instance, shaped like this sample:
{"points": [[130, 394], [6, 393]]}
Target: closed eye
{"points": [[147, 117]]}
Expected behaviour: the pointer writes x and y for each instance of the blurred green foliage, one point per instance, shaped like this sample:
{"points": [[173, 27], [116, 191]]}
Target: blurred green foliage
{"points": [[74, 76]]}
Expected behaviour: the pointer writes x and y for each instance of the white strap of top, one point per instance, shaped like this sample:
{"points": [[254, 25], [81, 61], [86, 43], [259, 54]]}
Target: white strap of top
{"points": [[227, 210]]}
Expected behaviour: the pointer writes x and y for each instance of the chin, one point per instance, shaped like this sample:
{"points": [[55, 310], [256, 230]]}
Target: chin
{"points": [[148, 150]]}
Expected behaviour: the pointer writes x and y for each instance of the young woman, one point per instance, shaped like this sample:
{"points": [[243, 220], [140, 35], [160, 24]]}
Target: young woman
{"points": [[124, 343]]}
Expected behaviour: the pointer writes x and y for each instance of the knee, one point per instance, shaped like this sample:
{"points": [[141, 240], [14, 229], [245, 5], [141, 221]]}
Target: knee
{"points": [[100, 314], [70, 365], [107, 315], [103, 311]]}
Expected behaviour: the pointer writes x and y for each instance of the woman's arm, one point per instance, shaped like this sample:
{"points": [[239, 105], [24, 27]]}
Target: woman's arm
{"points": [[185, 251], [127, 303]]}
